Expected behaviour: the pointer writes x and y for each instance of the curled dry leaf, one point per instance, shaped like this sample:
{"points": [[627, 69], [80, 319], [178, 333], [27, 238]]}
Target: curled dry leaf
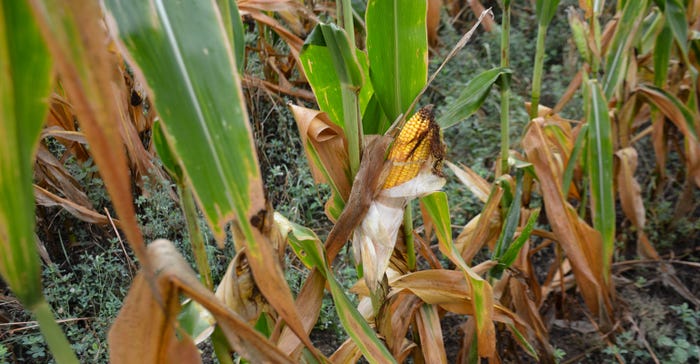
{"points": [[628, 187], [238, 291], [683, 119], [475, 183], [324, 142], [146, 329], [50, 172], [62, 118], [87, 214], [480, 230], [347, 353]]}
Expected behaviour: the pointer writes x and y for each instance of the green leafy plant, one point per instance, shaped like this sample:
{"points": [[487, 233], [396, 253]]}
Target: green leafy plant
{"points": [[557, 189]]}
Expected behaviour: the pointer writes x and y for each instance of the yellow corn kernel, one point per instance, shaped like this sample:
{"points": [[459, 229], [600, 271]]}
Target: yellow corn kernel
{"points": [[411, 148]]}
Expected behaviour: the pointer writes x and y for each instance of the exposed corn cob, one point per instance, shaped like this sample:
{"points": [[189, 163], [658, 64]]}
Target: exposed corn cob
{"points": [[418, 141]]}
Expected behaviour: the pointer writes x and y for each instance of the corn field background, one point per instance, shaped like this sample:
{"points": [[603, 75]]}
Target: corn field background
{"points": [[285, 181]]}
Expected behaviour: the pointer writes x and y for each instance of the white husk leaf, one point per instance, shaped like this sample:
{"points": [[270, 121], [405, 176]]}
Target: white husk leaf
{"points": [[374, 239]]}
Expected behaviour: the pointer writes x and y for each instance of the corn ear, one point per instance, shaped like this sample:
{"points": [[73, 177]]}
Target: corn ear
{"points": [[412, 147]]}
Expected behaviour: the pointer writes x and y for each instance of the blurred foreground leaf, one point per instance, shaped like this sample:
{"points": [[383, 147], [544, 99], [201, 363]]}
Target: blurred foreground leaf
{"points": [[181, 48]]}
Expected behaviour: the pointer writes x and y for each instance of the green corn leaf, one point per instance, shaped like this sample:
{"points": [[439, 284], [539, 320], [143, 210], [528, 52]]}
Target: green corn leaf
{"points": [[653, 24], [472, 96], [600, 168], [166, 154], [482, 295], [374, 120], [675, 16], [26, 82], [307, 246], [189, 68], [509, 256], [233, 24], [317, 61], [662, 56], [510, 225], [545, 10], [25, 70], [397, 47], [573, 159], [619, 49], [333, 68]]}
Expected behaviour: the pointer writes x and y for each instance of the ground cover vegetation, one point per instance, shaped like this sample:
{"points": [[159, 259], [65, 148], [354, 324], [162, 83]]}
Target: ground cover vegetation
{"points": [[180, 181]]}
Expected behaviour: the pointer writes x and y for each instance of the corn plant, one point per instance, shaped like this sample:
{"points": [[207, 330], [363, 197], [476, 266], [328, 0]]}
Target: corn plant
{"points": [[375, 148]]}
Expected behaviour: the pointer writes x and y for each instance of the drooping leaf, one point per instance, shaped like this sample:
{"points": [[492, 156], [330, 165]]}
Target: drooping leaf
{"points": [[472, 96], [628, 188], [475, 183], [482, 295], [618, 52], [84, 213], [309, 249], [397, 47], [479, 230], [683, 118]]}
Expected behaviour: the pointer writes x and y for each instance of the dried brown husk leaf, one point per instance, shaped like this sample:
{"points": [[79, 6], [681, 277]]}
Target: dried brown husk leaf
{"points": [[49, 172], [87, 214], [475, 183], [628, 188], [582, 243], [430, 332], [61, 117], [480, 230], [394, 319], [317, 131], [238, 291], [145, 330], [89, 74], [675, 115], [347, 353]]}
